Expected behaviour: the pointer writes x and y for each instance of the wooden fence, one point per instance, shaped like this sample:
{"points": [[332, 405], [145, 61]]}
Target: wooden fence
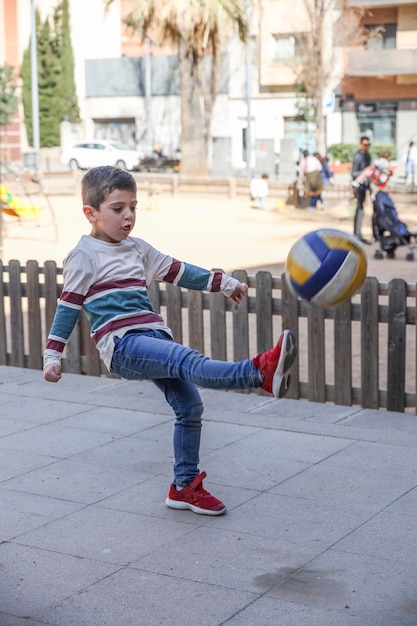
{"points": [[361, 353]]}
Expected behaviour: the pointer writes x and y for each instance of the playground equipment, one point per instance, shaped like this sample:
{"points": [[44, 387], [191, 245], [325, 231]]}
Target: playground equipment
{"points": [[25, 204], [15, 206]]}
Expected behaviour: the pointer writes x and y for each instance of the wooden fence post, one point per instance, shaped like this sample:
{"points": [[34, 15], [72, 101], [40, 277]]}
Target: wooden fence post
{"points": [[369, 344], [343, 354], [316, 355], [397, 301], [17, 357], [3, 334], [34, 315]]}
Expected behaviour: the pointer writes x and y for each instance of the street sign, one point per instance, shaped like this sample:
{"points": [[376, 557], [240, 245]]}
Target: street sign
{"points": [[329, 101]]}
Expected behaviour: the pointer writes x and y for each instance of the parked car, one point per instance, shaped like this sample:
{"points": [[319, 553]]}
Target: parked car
{"points": [[86, 154]]}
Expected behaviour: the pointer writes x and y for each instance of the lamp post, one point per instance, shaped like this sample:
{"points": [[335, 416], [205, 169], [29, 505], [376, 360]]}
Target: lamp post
{"points": [[35, 92], [248, 92], [148, 95]]}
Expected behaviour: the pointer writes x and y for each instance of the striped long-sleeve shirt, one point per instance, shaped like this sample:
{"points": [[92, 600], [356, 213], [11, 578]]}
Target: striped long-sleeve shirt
{"points": [[110, 282]]}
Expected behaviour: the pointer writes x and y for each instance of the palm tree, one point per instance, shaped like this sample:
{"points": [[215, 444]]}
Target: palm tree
{"points": [[196, 28]]}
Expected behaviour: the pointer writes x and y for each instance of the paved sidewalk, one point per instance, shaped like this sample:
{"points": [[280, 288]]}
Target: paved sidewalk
{"points": [[321, 526]]}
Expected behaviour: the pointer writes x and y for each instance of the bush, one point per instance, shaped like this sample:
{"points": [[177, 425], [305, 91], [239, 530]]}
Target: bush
{"points": [[343, 152]]}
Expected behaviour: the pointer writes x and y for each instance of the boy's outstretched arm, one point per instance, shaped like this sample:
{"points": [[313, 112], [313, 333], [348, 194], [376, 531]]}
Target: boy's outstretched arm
{"points": [[52, 373], [239, 293]]}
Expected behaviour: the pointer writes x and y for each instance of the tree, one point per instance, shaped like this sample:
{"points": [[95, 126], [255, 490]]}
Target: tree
{"points": [[8, 98], [56, 85], [67, 93], [196, 28], [317, 52]]}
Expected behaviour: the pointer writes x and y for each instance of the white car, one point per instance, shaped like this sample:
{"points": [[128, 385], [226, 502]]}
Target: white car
{"points": [[86, 154]]}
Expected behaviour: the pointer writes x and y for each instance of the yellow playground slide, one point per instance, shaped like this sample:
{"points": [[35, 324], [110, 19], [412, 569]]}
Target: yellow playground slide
{"points": [[13, 205]]}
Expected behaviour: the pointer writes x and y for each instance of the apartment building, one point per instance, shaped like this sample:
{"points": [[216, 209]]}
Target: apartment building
{"points": [[379, 88]]}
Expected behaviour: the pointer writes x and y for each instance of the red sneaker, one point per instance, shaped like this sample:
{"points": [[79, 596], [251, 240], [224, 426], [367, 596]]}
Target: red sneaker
{"points": [[195, 498], [274, 365]]}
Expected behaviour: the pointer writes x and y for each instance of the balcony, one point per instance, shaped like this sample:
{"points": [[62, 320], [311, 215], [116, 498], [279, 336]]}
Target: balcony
{"points": [[382, 62], [373, 4]]}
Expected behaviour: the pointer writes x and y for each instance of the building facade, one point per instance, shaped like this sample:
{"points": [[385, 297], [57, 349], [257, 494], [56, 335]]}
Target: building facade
{"points": [[379, 90], [130, 92]]}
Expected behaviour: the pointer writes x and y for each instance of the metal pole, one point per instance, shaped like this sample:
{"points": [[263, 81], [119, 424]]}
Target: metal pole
{"points": [[248, 92], [148, 95], [35, 91]]}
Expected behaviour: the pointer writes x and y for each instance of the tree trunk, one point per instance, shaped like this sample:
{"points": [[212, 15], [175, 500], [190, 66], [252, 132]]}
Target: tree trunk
{"points": [[194, 158]]}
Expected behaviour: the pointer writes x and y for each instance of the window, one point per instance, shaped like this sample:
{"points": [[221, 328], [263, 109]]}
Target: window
{"points": [[284, 47], [381, 37]]}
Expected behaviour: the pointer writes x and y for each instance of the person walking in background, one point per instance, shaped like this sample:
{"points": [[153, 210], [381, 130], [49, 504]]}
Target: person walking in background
{"points": [[410, 160], [259, 190], [326, 175], [361, 160], [309, 175]]}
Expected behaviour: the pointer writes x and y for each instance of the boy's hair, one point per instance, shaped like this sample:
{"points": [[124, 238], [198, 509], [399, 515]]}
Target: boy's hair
{"points": [[99, 182]]}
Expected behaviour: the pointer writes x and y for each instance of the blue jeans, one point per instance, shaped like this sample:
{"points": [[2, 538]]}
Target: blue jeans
{"points": [[177, 370]]}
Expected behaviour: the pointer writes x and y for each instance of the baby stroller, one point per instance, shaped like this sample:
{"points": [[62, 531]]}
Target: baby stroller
{"points": [[388, 229]]}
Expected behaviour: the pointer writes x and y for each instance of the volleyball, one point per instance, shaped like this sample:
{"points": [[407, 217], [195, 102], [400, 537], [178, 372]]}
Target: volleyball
{"points": [[326, 267]]}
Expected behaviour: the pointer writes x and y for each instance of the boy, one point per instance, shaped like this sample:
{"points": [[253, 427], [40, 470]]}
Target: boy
{"points": [[259, 190], [107, 274]]}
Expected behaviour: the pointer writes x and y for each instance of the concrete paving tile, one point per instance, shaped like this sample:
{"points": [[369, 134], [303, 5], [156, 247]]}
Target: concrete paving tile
{"points": [[10, 426], [218, 435], [269, 457], [314, 525], [32, 580], [13, 620], [88, 388], [14, 463], [75, 481], [219, 400], [142, 598], [231, 468], [310, 411], [361, 474], [407, 504], [21, 512], [102, 391], [382, 420], [227, 558], [41, 411], [346, 431], [266, 611], [149, 452], [12, 376], [244, 418], [388, 535], [54, 440], [114, 421], [105, 535], [291, 446], [378, 591], [5, 398]]}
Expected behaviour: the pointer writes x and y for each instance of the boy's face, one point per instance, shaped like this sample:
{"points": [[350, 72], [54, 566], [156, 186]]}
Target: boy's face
{"points": [[115, 219]]}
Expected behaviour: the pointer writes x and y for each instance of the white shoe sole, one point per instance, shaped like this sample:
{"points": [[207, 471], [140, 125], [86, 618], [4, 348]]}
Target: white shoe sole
{"points": [[282, 379], [175, 504]]}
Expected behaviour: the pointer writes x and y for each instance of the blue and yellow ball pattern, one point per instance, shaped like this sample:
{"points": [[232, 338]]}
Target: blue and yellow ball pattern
{"points": [[326, 267]]}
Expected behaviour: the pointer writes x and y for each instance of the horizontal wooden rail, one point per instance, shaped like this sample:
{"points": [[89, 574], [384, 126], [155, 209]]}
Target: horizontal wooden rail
{"points": [[361, 353]]}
